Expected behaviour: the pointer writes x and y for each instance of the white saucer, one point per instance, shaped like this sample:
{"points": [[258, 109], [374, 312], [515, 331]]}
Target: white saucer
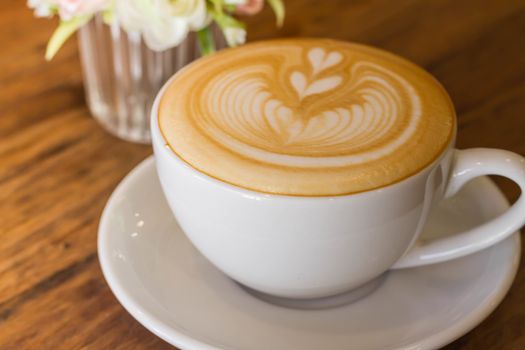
{"points": [[173, 291]]}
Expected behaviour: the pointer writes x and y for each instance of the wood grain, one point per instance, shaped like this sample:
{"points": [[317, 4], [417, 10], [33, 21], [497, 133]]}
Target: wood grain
{"points": [[58, 167]]}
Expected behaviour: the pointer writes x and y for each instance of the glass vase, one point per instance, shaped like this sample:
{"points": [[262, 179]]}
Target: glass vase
{"points": [[122, 75]]}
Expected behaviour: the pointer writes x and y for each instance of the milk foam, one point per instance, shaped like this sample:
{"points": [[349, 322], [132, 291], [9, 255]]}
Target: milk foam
{"points": [[306, 117]]}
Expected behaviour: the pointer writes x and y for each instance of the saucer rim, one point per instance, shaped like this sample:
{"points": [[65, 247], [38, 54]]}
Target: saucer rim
{"points": [[184, 340]]}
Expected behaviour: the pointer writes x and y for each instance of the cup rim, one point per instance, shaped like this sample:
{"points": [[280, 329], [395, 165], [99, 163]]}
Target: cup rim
{"points": [[156, 132]]}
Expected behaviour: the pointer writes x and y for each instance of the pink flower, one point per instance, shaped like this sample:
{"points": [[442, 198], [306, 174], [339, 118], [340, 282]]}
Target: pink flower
{"points": [[68, 9], [250, 7]]}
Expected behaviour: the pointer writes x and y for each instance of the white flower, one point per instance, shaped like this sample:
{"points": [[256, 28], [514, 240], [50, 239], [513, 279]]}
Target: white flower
{"points": [[235, 2], [163, 23], [234, 36], [73, 8], [193, 11], [67, 9], [42, 8]]}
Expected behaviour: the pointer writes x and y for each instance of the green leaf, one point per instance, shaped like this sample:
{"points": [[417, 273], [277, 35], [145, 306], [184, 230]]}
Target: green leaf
{"points": [[226, 21], [229, 8], [63, 32], [206, 42], [217, 5], [108, 15], [278, 8]]}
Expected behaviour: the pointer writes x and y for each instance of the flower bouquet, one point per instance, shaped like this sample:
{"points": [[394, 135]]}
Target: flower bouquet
{"points": [[129, 48]]}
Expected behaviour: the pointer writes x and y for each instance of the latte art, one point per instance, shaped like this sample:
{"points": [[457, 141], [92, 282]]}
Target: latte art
{"points": [[306, 117], [259, 124]]}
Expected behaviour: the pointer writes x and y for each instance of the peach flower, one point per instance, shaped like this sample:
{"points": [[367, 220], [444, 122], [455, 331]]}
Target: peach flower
{"points": [[250, 7]]}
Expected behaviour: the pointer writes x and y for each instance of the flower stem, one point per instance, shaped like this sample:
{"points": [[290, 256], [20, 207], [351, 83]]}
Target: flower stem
{"points": [[206, 42]]}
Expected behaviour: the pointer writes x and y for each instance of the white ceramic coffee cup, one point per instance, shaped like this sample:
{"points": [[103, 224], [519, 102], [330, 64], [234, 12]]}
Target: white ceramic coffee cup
{"points": [[310, 247]]}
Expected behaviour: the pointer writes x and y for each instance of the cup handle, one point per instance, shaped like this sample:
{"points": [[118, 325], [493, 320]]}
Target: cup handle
{"points": [[468, 164]]}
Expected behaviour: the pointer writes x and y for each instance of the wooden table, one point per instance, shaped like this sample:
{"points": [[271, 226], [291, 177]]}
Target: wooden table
{"points": [[58, 167]]}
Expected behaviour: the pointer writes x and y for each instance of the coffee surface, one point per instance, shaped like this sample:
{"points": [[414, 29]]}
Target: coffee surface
{"points": [[307, 117]]}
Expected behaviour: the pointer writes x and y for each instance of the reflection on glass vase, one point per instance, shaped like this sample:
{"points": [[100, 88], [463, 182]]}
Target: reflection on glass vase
{"points": [[122, 75]]}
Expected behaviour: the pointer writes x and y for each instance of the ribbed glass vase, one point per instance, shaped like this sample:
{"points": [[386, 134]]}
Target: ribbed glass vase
{"points": [[122, 75]]}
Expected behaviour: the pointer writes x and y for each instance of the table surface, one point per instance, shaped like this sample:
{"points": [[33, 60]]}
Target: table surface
{"points": [[58, 167]]}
